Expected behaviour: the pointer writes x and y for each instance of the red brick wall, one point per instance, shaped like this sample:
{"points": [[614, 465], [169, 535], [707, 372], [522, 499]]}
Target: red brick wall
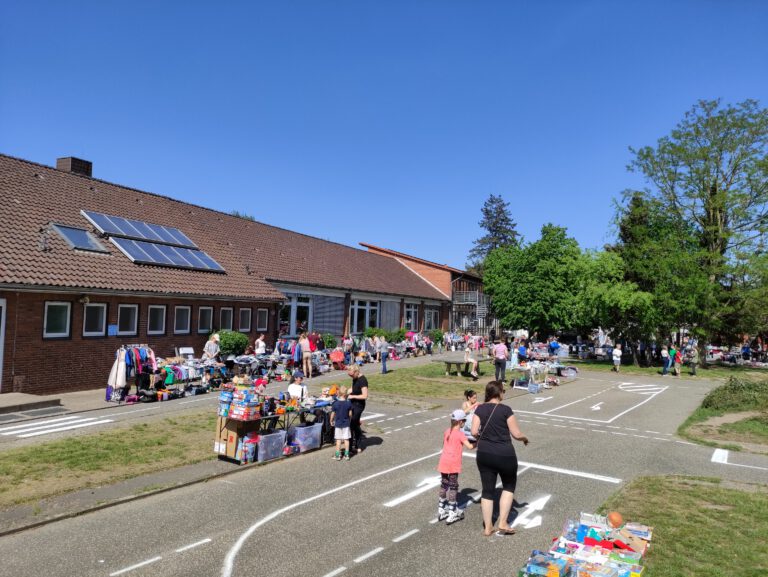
{"points": [[32, 364]]}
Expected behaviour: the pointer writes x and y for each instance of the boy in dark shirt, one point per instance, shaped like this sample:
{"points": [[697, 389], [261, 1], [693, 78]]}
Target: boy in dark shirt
{"points": [[341, 419]]}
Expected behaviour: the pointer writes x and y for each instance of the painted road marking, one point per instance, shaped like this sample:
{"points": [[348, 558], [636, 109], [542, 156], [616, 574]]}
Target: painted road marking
{"points": [[40, 427], [229, 561], [368, 555], [405, 535], [426, 485], [335, 572], [29, 424], [537, 505], [132, 567], [540, 400], [373, 416], [559, 470], [721, 456], [68, 428], [597, 406], [193, 545]]}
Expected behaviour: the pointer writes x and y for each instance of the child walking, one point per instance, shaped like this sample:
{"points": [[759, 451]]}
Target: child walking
{"points": [[454, 441], [341, 419]]}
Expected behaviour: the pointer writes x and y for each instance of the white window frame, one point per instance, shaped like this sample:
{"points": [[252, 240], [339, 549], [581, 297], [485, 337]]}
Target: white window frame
{"points": [[294, 304], [409, 307], [259, 313], [231, 318], [101, 332], [240, 326], [46, 334], [176, 316], [355, 306], [135, 330], [164, 308], [201, 329], [431, 319]]}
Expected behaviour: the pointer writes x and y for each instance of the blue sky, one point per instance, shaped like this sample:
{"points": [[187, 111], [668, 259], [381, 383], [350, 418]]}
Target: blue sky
{"points": [[381, 122]]}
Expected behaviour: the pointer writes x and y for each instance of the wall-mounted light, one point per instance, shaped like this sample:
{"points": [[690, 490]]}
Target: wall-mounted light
{"points": [[84, 300]]}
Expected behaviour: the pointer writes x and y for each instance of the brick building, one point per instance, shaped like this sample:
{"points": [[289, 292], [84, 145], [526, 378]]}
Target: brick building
{"points": [[87, 266]]}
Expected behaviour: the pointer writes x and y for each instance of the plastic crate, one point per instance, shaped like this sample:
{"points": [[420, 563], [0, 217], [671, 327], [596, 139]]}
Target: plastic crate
{"points": [[307, 438], [271, 446]]}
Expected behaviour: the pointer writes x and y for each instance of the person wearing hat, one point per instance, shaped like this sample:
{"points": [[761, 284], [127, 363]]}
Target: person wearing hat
{"points": [[297, 389], [454, 442], [212, 349]]}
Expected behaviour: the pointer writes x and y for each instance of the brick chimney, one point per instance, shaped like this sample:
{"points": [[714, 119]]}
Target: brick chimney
{"points": [[76, 165]]}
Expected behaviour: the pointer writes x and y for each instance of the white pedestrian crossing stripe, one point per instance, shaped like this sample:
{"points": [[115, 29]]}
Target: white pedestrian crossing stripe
{"points": [[641, 389], [37, 428]]}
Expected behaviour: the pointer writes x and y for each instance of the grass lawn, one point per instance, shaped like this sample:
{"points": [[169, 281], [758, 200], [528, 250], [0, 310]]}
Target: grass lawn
{"points": [[711, 372], [701, 528], [738, 395], [46, 469]]}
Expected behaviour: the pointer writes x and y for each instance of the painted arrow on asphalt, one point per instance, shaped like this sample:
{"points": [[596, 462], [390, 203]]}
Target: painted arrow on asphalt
{"points": [[427, 484], [597, 406], [541, 399], [524, 520]]}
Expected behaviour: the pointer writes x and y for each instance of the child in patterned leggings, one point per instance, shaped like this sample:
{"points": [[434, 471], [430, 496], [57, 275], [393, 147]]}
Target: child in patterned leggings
{"points": [[454, 442]]}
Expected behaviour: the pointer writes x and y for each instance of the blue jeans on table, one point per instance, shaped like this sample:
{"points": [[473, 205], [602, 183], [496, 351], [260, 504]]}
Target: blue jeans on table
{"points": [[384, 363]]}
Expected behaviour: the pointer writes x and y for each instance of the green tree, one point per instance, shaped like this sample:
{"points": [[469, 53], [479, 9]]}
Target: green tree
{"points": [[501, 232], [534, 286]]}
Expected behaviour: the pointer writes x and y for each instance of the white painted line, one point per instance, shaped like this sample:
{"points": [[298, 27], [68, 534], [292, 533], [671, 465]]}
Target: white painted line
{"points": [[417, 424], [368, 555], [631, 429], [229, 561], [405, 535], [653, 432], [720, 456], [579, 428], [390, 418], [660, 439], [650, 398], [42, 427], [598, 431], [388, 432], [193, 401], [681, 442], [373, 416], [426, 485], [647, 437], [396, 430], [433, 521], [612, 427], [132, 567], [407, 427], [35, 434], [335, 572], [619, 433], [193, 545], [559, 470], [29, 424]]}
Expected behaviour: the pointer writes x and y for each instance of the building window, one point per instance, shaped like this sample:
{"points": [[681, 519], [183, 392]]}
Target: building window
{"points": [[205, 320], [181, 320], [295, 316], [362, 315], [244, 324], [262, 319], [156, 320], [225, 319], [411, 317], [431, 319], [95, 320], [57, 317], [127, 319]]}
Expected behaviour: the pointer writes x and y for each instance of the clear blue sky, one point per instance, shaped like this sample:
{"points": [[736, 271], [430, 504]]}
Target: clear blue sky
{"points": [[387, 122]]}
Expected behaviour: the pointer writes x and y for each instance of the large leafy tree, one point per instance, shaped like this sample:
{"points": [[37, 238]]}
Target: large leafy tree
{"points": [[500, 231], [710, 176], [534, 286]]}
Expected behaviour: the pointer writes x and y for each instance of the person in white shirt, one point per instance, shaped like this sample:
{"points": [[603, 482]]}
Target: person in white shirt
{"points": [[211, 349], [297, 389], [617, 358], [260, 346]]}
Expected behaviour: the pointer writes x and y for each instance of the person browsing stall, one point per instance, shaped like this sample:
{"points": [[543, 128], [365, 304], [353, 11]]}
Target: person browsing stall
{"points": [[358, 396], [260, 346], [341, 419], [297, 389], [212, 349]]}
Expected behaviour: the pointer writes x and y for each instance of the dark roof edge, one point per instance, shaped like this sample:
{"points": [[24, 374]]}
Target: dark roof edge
{"points": [[130, 293], [57, 171]]}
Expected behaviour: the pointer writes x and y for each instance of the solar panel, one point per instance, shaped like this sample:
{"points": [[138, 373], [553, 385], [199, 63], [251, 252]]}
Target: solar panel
{"points": [[143, 252], [137, 230], [79, 238]]}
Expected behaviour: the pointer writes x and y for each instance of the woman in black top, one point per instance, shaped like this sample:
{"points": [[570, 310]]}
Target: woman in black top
{"points": [[492, 425], [357, 397]]}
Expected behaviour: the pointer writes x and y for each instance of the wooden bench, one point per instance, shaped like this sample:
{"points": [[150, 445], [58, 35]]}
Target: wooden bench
{"points": [[449, 363]]}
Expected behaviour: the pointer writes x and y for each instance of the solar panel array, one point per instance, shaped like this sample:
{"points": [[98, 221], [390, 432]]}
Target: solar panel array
{"points": [[147, 243]]}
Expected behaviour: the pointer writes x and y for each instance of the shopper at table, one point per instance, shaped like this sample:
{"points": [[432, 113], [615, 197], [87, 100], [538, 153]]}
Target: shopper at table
{"points": [[212, 349], [492, 426], [306, 355], [358, 396], [341, 419], [500, 358], [297, 389], [383, 354], [260, 346]]}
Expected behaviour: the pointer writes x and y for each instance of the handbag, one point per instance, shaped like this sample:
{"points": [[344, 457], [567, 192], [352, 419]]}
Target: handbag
{"points": [[482, 431]]}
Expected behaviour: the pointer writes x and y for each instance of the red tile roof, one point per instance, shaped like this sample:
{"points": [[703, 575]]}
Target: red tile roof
{"points": [[252, 253]]}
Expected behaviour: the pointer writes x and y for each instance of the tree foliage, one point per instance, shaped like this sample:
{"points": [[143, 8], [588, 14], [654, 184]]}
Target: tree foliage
{"points": [[500, 228]]}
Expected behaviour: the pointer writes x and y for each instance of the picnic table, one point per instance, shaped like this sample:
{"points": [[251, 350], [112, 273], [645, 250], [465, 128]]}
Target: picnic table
{"points": [[457, 361]]}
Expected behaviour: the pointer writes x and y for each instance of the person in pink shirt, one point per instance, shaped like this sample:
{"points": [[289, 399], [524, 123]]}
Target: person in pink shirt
{"points": [[500, 357], [454, 442]]}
